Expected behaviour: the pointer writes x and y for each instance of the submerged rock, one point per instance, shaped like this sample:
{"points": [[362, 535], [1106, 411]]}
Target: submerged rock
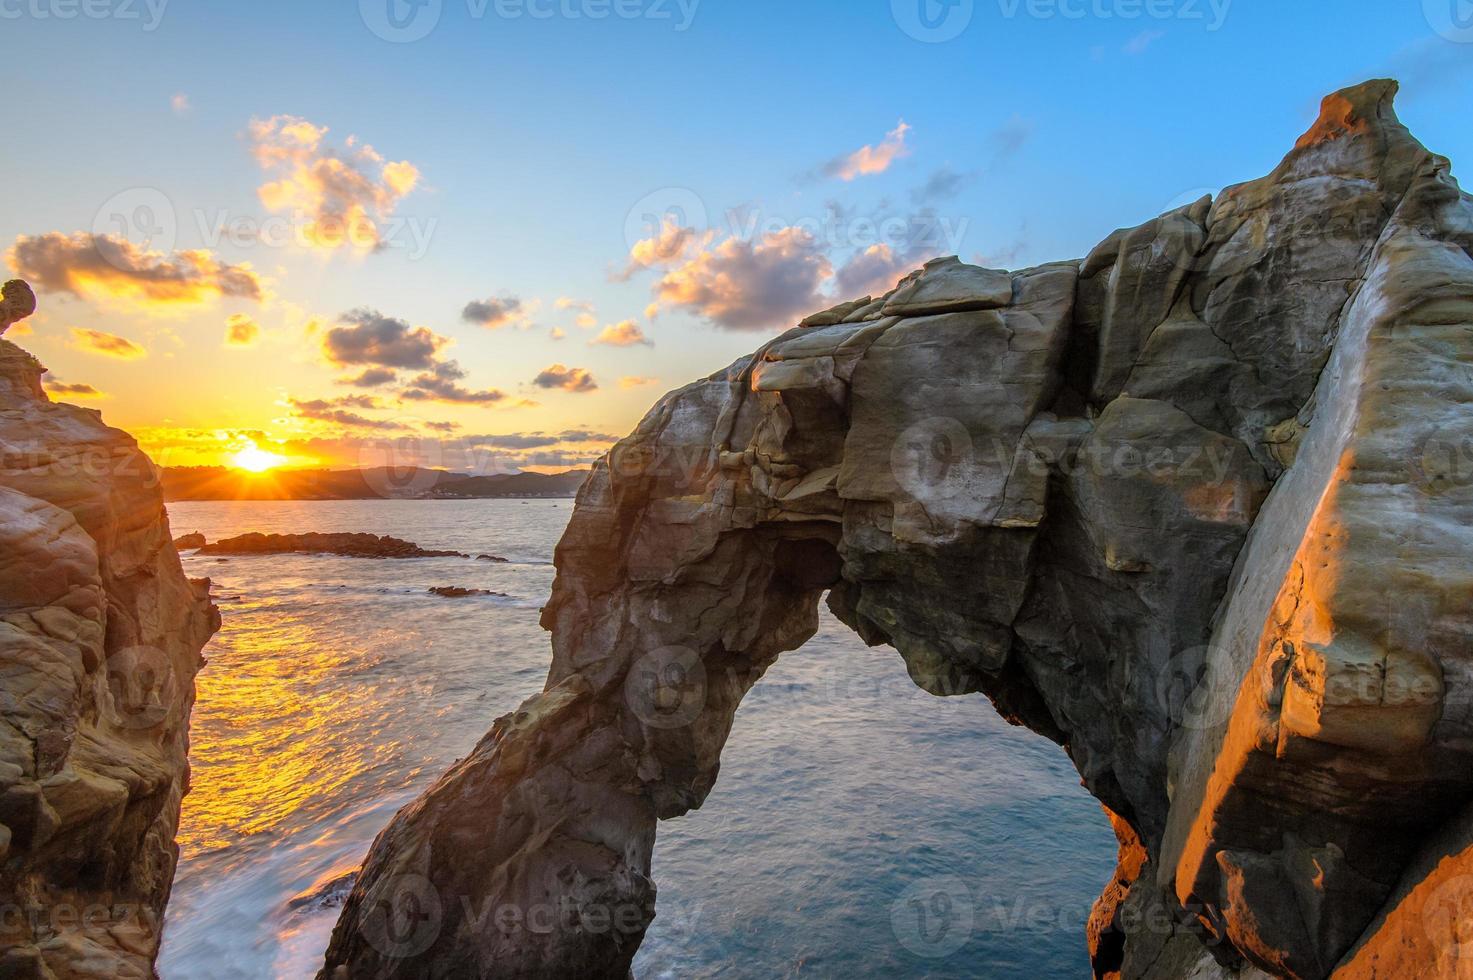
{"points": [[100, 640], [456, 592], [1199, 508]]}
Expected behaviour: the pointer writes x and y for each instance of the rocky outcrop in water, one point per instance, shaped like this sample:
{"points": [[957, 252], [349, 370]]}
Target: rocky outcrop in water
{"points": [[1198, 507], [100, 639], [349, 544]]}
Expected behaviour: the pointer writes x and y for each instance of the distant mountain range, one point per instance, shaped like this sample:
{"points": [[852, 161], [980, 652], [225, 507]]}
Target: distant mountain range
{"points": [[220, 483]]}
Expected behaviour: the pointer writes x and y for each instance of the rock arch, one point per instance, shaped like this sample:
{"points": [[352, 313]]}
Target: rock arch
{"points": [[1167, 506]]}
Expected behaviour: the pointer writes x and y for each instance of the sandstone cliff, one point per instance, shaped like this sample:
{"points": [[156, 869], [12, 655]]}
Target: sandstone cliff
{"points": [[100, 639], [1198, 507]]}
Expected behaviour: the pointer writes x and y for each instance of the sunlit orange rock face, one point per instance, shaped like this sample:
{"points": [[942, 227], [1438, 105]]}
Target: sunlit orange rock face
{"points": [[100, 639], [1199, 507]]}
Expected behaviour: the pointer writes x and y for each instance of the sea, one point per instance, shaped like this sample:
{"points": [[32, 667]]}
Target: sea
{"points": [[860, 827]]}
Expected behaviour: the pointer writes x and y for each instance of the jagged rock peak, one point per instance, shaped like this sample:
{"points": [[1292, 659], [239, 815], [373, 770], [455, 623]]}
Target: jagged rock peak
{"points": [[16, 303]]}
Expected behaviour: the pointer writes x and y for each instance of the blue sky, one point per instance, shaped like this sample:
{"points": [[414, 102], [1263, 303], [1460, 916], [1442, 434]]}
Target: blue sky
{"points": [[1047, 124]]}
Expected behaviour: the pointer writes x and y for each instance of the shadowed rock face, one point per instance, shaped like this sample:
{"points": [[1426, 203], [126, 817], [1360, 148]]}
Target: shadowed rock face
{"points": [[1199, 508], [100, 639]]}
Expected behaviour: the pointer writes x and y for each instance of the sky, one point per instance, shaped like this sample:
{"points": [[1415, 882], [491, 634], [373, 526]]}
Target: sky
{"points": [[489, 234]]}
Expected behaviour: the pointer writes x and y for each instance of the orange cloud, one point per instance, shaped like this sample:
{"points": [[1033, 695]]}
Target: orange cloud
{"points": [[634, 381], [561, 377], [241, 331], [669, 246], [868, 160], [106, 344], [344, 194], [104, 267], [626, 333], [56, 386], [742, 285]]}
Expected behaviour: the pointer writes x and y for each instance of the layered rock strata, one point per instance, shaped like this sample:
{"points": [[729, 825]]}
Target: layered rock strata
{"points": [[1198, 507], [100, 639]]}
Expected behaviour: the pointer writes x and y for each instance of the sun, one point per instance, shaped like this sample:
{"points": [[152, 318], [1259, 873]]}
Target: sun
{"points": [[254, 459]]}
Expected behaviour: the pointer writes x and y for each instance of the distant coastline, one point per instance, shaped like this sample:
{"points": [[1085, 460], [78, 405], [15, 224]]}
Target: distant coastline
{"points": [[182, 483]]}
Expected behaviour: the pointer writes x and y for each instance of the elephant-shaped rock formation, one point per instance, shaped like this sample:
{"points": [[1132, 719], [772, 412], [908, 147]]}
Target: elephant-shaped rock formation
{"points": [[1198, 507]]}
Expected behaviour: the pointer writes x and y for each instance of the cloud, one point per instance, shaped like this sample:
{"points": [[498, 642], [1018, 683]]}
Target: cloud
{"points": [[943, 185], [540, 440], [1142, 41], [625, 333], [876, 270], [104, 267], [586, 317], [56, 386], [106, 344], [344, 193], [1008, 139], [323, 410], [439, 384], [368, 337], [493, 312], [241, 331], [558, 376], [868, 160], [1004, 256], [1426, 66], [634, 381], [180, 104], [742, 285], [556, 333], [669, 246], [372, 378], [442, 426]]}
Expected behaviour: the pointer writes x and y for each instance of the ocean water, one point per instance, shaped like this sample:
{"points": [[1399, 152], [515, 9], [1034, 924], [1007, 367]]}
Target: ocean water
{"points": [[860, 828]]}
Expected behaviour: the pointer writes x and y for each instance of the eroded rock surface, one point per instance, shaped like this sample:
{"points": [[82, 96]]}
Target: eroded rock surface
{"points": [[100, 639], [1198, 507]]}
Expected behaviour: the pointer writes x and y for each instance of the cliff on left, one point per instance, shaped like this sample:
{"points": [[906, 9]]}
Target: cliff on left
{"points": [[100, 640]]}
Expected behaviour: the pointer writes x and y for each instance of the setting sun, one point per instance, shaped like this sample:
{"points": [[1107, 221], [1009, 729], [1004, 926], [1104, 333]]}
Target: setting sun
{"points": [[254, 459]]}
